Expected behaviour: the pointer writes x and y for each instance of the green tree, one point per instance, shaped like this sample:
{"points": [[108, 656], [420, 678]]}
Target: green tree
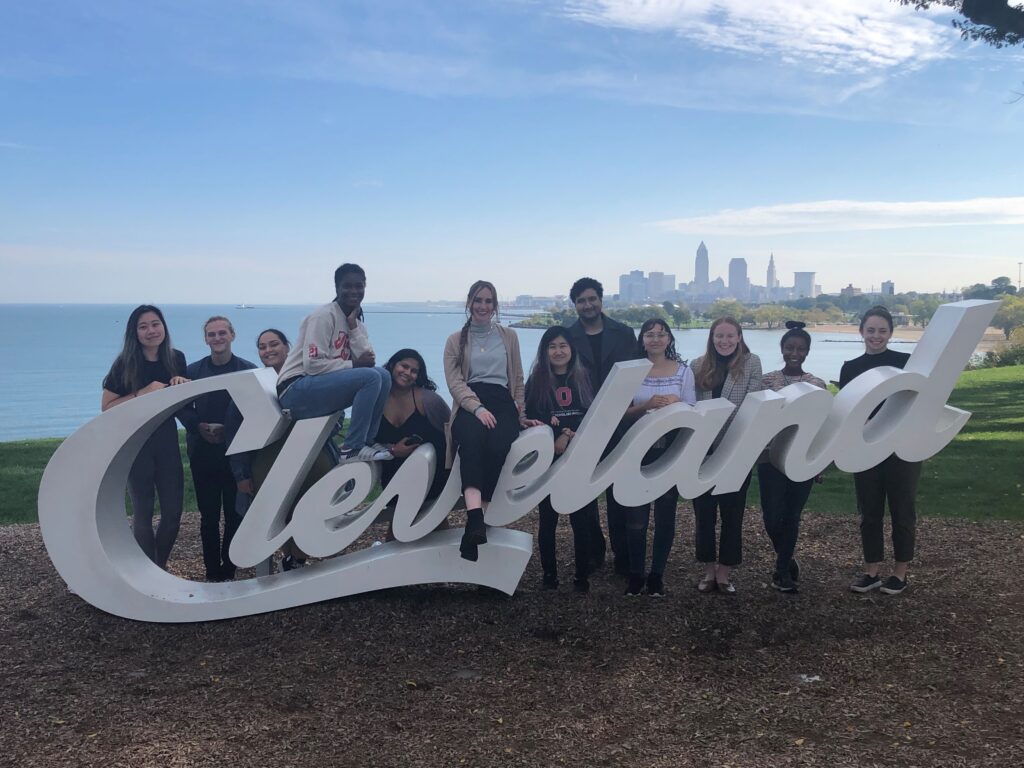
{"points": [[725, 308], [770, 315], [1010, 315], [1002, 286], [996, 22], [924, 308], [682, 315]]}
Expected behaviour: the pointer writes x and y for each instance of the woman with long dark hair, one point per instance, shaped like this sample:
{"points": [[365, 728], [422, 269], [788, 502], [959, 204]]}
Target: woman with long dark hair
{"points": [[727, 369], [485, 377], [413, 414], [558, 393], [894, 479], [782, 499], [670, 380], [147, 363]]}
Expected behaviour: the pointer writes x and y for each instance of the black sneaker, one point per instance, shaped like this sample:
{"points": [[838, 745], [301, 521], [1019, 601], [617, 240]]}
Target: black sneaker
{"points": [[581, 586], [783, 582], [290, 563], [893, 586], [655, 585], [636, 586], [550, 581], [866, 583], [794, 569]]}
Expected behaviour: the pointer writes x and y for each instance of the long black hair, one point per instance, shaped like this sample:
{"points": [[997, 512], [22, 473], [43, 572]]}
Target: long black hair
{"points": [[670, 350], [279, 334], [422, 380], [129, 362], [540, 387]]}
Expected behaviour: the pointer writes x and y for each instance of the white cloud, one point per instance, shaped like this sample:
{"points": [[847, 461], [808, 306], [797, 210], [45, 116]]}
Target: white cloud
{"points": [[851, 215], [851, 36]]}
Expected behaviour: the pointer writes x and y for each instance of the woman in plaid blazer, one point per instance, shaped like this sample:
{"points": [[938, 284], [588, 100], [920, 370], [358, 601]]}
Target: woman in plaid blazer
{"points": [[727, 369]]}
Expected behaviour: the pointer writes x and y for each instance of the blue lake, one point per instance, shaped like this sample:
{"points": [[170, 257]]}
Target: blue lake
{"points": [[58, 354]]}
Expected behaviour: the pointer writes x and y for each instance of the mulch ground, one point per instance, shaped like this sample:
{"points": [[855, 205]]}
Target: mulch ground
{"points": [[454, 675]]}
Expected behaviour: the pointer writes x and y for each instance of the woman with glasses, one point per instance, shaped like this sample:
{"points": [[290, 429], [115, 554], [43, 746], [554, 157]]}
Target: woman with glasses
{"points": [[669, 381], [728, 370]]}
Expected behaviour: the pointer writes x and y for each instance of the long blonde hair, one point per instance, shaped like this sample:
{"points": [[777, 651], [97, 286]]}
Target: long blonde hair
{"points": [[710, 373], [474, 289]]}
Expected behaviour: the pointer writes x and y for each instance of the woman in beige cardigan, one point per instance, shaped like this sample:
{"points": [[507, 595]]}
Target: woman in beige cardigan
{"points": [[484, 373]]}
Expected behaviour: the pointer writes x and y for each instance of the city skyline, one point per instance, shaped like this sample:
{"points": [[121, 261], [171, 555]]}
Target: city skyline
{"points": [[147, 156]]}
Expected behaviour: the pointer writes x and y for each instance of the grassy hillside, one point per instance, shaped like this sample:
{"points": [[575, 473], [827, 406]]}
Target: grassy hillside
{"points": [[979, 475]]}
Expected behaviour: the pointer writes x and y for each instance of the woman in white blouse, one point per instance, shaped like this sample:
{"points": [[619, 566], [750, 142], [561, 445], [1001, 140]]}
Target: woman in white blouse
{"points": [[669, 381]]}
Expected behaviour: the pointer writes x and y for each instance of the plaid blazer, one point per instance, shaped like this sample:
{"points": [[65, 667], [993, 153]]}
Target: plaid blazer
{"points": [[734, 389]]}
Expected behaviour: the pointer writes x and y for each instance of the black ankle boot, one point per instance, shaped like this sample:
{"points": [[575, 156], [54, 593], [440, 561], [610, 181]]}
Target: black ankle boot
{"points": [[474, 535]]}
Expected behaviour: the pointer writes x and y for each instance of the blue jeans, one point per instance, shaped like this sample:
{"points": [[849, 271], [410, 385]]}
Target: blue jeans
{"points": [[365, 390]]}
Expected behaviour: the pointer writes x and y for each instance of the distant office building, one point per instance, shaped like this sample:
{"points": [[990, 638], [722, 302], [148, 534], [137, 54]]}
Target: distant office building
{"points": [[739, 284], [888, 288], [773, 280], [660, 286], [849, 291], [633, 287], [700, 268], [803, 285]]}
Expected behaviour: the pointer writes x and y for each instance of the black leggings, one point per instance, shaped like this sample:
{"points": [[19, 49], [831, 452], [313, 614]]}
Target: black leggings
{"points": [[157, 467], [482, 450]]}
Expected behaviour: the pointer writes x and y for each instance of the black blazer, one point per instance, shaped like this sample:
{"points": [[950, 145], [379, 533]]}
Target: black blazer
{"points": [[618, 345]]}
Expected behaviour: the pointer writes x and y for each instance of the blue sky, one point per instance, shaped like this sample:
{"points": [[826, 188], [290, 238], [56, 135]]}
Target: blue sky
{"points": [[236, 151]]}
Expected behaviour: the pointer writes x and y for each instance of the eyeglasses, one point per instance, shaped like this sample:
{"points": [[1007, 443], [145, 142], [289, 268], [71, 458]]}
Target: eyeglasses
{"points": [[655, 336]]}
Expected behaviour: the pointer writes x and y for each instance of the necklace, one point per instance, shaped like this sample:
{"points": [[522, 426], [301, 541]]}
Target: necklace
{"points": [[484, 338]]}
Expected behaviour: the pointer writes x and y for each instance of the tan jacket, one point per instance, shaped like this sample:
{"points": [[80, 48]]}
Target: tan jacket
{"points": [[455, 376], [735, 390]]}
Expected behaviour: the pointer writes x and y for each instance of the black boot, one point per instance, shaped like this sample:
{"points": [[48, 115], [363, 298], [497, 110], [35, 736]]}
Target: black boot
{"points": [[474, 535]]}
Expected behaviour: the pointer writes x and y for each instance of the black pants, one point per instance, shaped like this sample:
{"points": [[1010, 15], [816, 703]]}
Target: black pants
{"points": [[483, 451], [638, 520], [782, 501], [584, 522], [157, 469], [215, 492], [706, 510], [896, 480]]}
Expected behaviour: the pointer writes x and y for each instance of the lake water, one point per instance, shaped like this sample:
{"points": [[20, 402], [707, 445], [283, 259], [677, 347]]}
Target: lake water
{"points": [[58, 354]]}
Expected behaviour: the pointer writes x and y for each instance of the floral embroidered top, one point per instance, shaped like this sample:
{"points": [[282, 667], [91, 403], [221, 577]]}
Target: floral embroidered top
{"points": [[776, 380]]}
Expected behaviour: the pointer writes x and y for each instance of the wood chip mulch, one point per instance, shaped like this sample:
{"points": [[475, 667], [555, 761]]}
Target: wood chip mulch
{"points": [[453, 675]]}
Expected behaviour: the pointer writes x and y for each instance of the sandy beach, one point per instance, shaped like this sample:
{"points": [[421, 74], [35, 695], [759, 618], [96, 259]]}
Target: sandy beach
{"points": [[993, 338]]}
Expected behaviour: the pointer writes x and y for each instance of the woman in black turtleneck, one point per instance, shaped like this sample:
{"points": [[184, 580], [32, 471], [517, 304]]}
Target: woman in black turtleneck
{"points": [[727, 369], [894, 479]]}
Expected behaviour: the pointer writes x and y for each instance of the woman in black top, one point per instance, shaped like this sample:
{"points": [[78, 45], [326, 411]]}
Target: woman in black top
{"points": [[894, 478], [558, 394], [148, 363], [413, 414]]}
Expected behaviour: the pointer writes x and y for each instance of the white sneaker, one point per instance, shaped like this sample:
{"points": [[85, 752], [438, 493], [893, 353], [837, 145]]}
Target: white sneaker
{"points": [[366, 453]]}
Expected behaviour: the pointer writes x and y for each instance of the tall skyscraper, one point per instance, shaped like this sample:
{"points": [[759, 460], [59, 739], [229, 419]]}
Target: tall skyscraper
{"points": [[803, 285], [739, 285], [700, 269], [888, 288], [773, 281]]}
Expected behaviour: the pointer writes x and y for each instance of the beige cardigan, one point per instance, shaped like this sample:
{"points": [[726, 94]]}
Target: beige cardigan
{"points": [[455, 376]]}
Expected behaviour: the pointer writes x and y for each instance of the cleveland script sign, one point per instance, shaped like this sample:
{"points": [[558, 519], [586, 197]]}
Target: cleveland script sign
{"points": [[82, 509]]}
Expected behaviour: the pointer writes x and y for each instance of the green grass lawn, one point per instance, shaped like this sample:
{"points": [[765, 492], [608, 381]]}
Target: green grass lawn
{"points": [[979, 475]]}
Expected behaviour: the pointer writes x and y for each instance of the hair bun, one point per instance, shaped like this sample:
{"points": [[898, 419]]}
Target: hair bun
{"points": [[795, 325]]}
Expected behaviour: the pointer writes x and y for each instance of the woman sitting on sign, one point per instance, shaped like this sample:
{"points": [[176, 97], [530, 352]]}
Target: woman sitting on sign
{"points": [[484, 373], [727, 369], [669, 381], [413, 414], [558, 394], [148, 363], [782, 499]]}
